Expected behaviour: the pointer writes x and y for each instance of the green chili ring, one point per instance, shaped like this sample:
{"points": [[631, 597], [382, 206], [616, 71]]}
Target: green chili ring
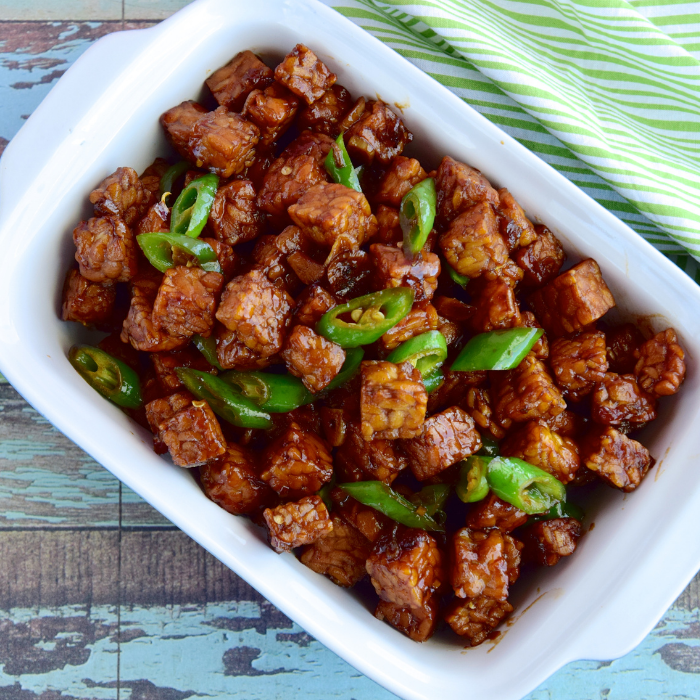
{"points": [[343, 174], [191, 209], [417, 215], [472, 485], [207, 346], [426, 352], [158, 248], [353, 360], [273, 393], [171, 175]]}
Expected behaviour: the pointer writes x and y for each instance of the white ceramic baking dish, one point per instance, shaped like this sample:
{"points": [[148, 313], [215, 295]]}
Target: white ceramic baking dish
{"points": [[104, 113]]}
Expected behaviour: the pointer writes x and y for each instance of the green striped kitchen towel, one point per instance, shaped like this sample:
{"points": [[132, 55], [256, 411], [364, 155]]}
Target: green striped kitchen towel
{"points": [[605, 91]]}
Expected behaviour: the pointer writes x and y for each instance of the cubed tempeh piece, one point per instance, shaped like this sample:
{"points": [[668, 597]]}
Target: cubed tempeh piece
{"points": [[193, 435], [87, 302], [418, 624], [484, 563], [492, 512], [572, 301], [340, 555], [445, 438], [327, 210], [151, 177], [304, 74], [106, 249], [186, 301], [165, 363], [525, 393], [370, 522], [541, 260], [617, 459], [516, 229], [393, 400], [537, 444], [334, 422], [541, 348], [389, 226], [398, 180], [325, 114], [233, 353], [156, 220], [312, 358], [472, 244], [379, 459], [548, 541], [475, 618], [618, 398], [293, 524], [235, 217], [422, 317], [232, 83], [495, 307], [379, 134], [579, 363], [122, 195], [393, 269], [312, 303], [349, 274], [223, 143], [460, 187], [159, 411], [270, 260], [477, 402], [257, 310], [568, 424], [232, 482], [623, 342], [139, 329], [298, 463], [178, 124], [299, 167], [272, 110], [406, 566], [660, 369]]}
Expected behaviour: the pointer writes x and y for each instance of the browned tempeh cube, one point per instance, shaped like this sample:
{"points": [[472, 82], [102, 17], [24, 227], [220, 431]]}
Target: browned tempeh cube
{"points": [[393, 269], [541, 260], [617, 459], [398, 180], [272, 110], [495, 307], [460, 187], [525, 393], [235, 217], [340, 555], [257, 310], [160, 410], [349, 274], [139, 329], [178, 124], [121, 195], [233, 353], [389, 225], [472, 244], [298, 463], [165, 364], [193, 435], [548, 541], [151, 177], [618, 398], [106, 250], [516, 229], [312, 303], [445, 438], [87, 302], [478, 404], [418, 624], [623, 342], [232, 482], [475, 618], [371, 523], [484, 563], [393, 400], [232, 83], [379, 134], [325, 114], [537, 444], [422, 317], [295, 524], [492, 512], [660, 369], [270, 260], [327, 210], [313, 358], [572, 301], [156, 220], [406, 566], [186, 301], [541, 348], [579, 363], [304, 74]]}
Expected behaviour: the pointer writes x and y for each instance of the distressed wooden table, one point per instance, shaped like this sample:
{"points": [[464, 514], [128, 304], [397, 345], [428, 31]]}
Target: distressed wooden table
{"points": [[100, 597]]}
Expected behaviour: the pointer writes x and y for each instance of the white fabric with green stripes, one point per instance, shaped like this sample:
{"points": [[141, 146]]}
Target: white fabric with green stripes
{"points": [[605, 91]]}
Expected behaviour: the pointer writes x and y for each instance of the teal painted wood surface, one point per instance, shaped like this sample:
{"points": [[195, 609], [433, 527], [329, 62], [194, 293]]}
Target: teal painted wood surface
{"points": [[100, 597]]}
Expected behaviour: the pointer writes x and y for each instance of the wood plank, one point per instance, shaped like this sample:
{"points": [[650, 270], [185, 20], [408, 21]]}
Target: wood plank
{"points": [[152, 9], [61, 10]]}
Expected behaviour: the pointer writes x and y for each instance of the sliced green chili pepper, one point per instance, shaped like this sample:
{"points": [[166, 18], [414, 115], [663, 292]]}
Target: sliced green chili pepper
{"points": [[207, 346], [342, 173], [371, 316], [383, 498], [109, 376], [353, 359], [224, 400], [472, 485], [461, 280], [433, 380], [523, 485], [502, 349], [433, 498], [172, 174], [158, 248], [273, 393], [489, 447], [417, 215], [191, 209], [426, 352], [562, 509]]}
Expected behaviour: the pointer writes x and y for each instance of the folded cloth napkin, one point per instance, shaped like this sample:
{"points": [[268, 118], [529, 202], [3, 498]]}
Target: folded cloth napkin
{"points": [[606, 91]]}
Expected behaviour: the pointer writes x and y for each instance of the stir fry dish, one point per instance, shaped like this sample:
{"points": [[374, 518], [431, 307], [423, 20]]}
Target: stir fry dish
{"points": [[387, 367]]}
